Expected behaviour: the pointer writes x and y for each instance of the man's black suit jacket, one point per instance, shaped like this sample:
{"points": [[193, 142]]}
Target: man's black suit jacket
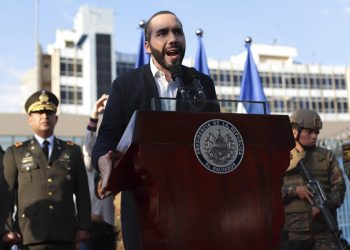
{"points": [[134, 91]]}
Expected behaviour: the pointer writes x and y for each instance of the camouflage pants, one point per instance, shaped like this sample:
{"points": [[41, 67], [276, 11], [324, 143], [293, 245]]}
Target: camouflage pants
{"points": [[320, 241]]}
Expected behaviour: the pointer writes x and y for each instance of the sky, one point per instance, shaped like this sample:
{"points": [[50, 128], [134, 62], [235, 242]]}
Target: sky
{"points": [[318, 29]]}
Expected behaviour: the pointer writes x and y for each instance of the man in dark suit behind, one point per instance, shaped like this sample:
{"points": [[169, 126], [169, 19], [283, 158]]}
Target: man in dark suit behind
{"points": [[45, 172], [165, 41]]}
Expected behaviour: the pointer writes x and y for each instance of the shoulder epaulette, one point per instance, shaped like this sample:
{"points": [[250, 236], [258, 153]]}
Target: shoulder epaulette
{"points": [[70, 143], [18, 144]]}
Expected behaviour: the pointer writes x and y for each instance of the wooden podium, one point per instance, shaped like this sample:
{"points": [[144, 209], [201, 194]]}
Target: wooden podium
{"points": [[181, 205]]}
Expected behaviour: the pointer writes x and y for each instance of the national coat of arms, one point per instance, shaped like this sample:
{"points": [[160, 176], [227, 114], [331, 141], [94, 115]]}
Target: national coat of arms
{"points": [[219, 146]]}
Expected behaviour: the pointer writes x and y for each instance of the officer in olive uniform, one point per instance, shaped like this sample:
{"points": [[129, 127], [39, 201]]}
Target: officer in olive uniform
{"points": [[45, 172], [3, 197], [304, 223]]}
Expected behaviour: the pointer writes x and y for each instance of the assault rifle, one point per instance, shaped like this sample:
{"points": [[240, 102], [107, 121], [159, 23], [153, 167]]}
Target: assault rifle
{"points": [[319, 200]]}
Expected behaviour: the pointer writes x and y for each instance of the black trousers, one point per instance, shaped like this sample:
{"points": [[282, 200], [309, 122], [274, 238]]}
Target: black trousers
{"points": [[102, 237]]}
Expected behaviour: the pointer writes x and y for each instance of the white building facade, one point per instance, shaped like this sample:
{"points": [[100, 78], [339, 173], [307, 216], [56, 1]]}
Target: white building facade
{"points": [[287, 85], [83, 60]]}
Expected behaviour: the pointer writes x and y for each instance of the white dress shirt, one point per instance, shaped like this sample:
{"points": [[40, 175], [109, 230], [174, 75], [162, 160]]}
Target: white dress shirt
{"points": [[165, 88]]}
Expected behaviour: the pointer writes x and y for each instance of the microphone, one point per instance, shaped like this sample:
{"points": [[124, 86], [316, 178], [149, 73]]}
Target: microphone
{"points": [[177, 74], [198, 88]]}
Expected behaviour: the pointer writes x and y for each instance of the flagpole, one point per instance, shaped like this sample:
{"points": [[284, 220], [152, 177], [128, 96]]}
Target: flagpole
{"points": [[248, 40], [199, 32], [142, 24], [142, 57], [201, 63]]}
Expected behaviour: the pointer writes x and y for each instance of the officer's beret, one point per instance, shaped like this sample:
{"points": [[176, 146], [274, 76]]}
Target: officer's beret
{"points": [[41, 100]]}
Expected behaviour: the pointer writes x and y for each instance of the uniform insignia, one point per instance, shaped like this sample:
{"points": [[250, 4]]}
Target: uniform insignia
{"points": [[27, 163], [43, 97], [68, 176], [70, 143], [27, 159], [18, 144], [65, 158]]}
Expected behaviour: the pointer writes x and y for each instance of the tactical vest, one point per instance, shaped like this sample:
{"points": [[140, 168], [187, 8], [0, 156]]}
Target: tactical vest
{"points": [[317, 162]]}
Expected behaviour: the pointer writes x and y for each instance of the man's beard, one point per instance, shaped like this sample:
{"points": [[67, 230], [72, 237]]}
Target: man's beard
{"points": [[160, 57]]}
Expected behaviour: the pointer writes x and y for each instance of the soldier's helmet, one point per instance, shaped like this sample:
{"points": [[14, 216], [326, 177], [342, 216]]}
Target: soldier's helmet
{"points": [[306, 118], [40, 101]]}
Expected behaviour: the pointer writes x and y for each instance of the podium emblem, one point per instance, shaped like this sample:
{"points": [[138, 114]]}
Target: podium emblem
{"points": [[218, 146]]}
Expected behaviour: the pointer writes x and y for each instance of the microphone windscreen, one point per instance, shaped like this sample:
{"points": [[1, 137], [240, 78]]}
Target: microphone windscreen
{"points": [[176, 71]]}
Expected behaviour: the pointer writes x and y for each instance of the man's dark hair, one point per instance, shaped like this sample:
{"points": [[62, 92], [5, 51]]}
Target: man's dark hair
{"points": [[147, 26]]}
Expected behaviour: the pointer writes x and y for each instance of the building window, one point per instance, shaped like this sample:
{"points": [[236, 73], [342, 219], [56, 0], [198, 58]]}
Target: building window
{"points": [[71, 67], [327, 82], [302, 82], [228, 77], [291, 105], [71, 95], [315, 81], [69, 44], [289, 81], [304, 102], [329, 105], [225, 78], [342, 105], [278, 106], [276, 80], [316, 104], [339, 82], [103, 63], [237, 78], [265, 79]]}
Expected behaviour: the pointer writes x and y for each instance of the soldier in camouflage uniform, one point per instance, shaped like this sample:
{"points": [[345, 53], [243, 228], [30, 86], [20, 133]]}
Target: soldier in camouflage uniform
{"points": [[42, 175], [304, 223], [346, 156]]}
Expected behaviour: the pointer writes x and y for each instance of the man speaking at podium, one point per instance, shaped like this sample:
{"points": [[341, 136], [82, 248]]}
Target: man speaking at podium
{"points": [[165, 41]]}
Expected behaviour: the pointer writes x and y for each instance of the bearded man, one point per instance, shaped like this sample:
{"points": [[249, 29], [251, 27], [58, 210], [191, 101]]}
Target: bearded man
{"points": [[165, 42]]}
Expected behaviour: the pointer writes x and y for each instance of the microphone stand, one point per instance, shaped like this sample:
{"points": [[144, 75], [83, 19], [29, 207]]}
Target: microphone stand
{"points": [[177, 74]]}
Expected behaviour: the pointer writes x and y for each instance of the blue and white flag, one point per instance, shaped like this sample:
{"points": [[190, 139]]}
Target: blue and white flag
{"points": [[200, 63], [142, 56], [251, 88]]}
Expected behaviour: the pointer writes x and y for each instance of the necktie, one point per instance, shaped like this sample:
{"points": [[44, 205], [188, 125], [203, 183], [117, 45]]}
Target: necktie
{"points": [[46, 148]]}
